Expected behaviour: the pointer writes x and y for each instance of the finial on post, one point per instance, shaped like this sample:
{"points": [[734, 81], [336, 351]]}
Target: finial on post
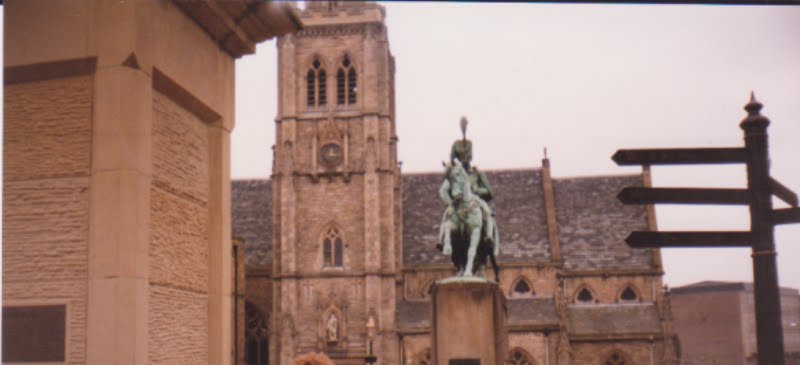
{"points": [[464, 128], [753, 107], [754, 118]]}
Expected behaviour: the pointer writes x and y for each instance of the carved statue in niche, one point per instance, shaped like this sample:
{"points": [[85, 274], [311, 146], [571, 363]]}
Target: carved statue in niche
{"points": [[332, 328]]}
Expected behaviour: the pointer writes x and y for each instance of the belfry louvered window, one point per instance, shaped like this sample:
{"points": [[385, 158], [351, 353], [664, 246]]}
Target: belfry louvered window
{"points": [[315, 85], [332, 248], [346, 83]]}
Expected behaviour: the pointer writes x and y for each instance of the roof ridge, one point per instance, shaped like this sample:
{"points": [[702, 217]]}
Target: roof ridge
{"points": [[587, 177]]}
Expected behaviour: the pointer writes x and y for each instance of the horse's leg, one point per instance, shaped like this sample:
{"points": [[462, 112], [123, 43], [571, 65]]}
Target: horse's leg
{"points": [[459, 253], [496, 269], [447, 228], [488, 222], [474, 239]]}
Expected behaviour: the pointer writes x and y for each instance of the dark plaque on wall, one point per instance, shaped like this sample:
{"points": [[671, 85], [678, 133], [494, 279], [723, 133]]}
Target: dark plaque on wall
{"points": [[34, 333], [464, 362]]}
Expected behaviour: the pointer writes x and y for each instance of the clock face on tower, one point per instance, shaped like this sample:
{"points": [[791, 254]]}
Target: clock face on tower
{"points": [[331, 155]]}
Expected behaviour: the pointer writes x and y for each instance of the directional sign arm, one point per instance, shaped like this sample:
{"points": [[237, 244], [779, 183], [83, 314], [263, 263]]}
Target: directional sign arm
{"points": [[787, 215], [679, 156], [637, 195], [645, 239], [782, 192]]}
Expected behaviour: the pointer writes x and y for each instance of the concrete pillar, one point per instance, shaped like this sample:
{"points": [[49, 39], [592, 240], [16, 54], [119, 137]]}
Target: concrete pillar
{"points": [[117, 149]]}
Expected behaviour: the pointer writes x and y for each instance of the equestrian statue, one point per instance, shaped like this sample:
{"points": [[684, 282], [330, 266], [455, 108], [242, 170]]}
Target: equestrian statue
{"points": [[468, 233]]}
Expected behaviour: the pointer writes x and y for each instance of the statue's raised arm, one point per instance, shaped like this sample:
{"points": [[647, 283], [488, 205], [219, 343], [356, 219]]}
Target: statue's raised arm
{"points": [[468, 232]]}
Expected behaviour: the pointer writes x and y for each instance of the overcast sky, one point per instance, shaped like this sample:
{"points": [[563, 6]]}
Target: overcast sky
{"points": [[583, 81]]}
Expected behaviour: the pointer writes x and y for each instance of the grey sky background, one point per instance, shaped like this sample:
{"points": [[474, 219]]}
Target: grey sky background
{"points": [[583, 81]]}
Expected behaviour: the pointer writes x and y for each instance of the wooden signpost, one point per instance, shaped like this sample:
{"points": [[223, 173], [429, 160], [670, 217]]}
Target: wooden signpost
{"points": [[763, 218]]}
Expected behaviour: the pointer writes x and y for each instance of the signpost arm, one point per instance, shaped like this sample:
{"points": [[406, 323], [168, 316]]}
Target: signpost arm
{"points": [[769, 334]]}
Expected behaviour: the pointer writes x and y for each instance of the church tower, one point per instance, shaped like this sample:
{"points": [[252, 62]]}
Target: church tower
{"points": [[336, 189]]}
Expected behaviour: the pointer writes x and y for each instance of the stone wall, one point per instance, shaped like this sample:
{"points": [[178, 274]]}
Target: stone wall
{"points": [[179, 249], [417, 281], [541, 279], [710, 327], [47, 137], [533, 345], [607, 288], [178, 326], [355, 196], [117, 171], [632, 352], [325, 204], [259, 290], [416, 348]]}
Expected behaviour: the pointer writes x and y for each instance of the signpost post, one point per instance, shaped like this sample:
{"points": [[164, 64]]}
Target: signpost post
{"points": [[763, 218]]}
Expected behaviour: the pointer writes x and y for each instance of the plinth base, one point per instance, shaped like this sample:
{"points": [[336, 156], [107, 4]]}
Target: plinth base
{"points": [[469, 322]]}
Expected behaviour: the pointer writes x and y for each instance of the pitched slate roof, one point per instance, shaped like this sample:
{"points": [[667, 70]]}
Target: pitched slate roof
{"points": [[422, 216], [251, 210], [613, 319], [520, 216], [593, 224]]}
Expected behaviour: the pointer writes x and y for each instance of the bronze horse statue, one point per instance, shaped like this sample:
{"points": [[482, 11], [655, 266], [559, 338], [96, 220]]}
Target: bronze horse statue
{"points": [[463, 236]]}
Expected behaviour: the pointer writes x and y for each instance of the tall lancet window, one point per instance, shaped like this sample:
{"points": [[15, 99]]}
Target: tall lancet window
{"points": [[346, 86], [332, 248], [315, 85]]}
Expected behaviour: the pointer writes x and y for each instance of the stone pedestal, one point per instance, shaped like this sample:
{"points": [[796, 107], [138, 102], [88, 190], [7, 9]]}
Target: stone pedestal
{"points": [[469, 322]]}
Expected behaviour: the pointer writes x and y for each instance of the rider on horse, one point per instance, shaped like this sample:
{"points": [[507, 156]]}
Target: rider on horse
{"points": [[462, 151]]}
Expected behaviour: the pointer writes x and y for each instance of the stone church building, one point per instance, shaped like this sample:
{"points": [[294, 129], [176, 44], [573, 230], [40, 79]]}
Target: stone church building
{"points": [[339, 245]]}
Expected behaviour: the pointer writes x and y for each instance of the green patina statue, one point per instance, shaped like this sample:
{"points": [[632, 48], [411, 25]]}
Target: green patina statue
{"points": [[468, 233]]}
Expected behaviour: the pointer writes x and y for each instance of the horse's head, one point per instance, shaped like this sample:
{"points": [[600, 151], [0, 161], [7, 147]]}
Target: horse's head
{"points": [[459, 181]]}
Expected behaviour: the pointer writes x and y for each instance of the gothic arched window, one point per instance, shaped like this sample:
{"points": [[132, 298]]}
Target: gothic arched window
{"points": [[584, 296], [315, 85], [518, 356], [521, 288], [332, 248], [346, 86], [615, 358], [256, 340], [628, 295]]}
